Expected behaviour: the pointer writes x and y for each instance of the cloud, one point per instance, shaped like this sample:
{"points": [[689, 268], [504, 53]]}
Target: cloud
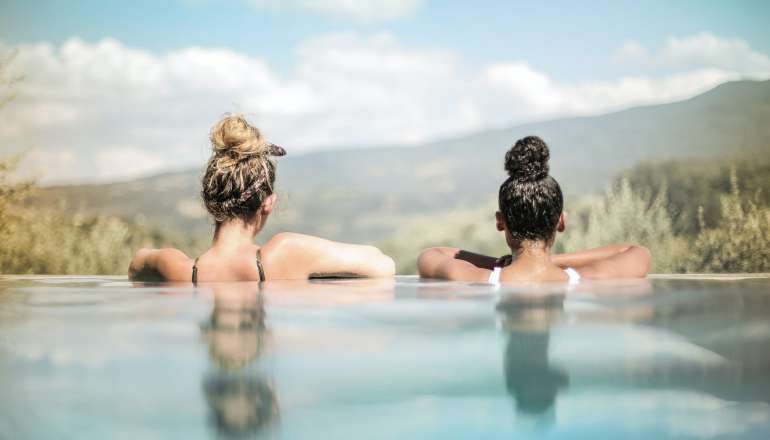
{"points": [[357, 10], [517, 92], [121, 111], [92, 100], [699, 51], [114, 160]]}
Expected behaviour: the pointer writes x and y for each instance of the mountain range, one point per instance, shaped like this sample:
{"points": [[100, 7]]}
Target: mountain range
{"points": [[362, 194]]}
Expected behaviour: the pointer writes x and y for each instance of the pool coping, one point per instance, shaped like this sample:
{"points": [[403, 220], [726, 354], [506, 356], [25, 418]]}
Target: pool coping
{"points": [[655, 276]]}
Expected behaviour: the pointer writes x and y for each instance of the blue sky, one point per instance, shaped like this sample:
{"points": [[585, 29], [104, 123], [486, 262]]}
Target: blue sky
{"points": [[567, 39], [130, 88]]}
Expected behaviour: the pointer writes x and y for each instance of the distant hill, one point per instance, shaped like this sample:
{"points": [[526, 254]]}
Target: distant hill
{"points": [[361, 194]]}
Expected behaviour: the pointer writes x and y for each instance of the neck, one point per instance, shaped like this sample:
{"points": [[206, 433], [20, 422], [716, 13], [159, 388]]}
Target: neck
{"points": [[234, 233], [532, 250]]}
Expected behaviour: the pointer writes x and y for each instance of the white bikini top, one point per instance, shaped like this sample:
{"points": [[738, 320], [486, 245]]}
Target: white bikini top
{"points": [[574, 276]]}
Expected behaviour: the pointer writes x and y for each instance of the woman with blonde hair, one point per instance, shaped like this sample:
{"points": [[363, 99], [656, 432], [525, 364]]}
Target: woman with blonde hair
{"points": [[238, 192]]}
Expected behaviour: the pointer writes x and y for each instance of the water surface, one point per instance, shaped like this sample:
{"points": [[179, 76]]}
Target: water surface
{"points": [[379, 359]]}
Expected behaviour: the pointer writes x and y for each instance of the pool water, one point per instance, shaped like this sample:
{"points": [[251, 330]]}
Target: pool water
{"points": [[95, 358]]}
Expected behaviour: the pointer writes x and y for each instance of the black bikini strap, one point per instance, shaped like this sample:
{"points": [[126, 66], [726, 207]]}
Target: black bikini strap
{"points": [[195, 272], [259, 266]]}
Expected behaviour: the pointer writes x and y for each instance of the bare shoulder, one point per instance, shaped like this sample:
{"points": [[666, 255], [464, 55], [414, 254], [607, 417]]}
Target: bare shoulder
{"points": [[292, 255], [291, 238], [289, 243], [166, 263]]}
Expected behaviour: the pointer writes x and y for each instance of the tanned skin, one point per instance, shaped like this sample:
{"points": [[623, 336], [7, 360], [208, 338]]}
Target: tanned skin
{"points": [[285, 256]]}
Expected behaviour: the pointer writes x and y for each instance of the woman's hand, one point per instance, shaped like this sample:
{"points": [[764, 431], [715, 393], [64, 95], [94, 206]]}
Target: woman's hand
{"points": [[503, 261], [612, 261]]}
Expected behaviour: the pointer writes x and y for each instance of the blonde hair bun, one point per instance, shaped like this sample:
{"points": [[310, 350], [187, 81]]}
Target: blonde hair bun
{"points": [[233, 136], [240, 173]]}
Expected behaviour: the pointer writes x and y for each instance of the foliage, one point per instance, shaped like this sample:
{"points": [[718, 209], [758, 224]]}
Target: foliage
{"points": [[692, 187], [739, 243], [49, 242], [11, 192], [46, 241]]}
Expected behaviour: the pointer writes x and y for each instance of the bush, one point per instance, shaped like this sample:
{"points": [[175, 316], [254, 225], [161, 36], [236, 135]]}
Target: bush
{"points": [[739, 243], [692, 186], [44, 241]]}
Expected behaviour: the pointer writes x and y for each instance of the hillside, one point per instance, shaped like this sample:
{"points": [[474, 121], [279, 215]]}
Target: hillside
{"points": [[362, 194]]}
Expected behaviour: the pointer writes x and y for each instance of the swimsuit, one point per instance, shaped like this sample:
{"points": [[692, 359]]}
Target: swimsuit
{"points": [[574, 276], [259, 266]]}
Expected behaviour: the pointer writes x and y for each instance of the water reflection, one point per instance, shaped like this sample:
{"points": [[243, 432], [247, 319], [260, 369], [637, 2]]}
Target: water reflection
{"points": [[347, 358], [530, 378], [241, 398]]}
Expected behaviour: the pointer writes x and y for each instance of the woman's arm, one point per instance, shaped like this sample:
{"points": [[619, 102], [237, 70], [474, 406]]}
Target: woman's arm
{"points": [[613, 261], [454, 264], [478, 260], [144, 265], [582, 258], [295, 256], [153, 264]]}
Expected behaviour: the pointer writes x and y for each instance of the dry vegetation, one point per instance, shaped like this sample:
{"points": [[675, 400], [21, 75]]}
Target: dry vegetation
{"points": [[48, 241]]}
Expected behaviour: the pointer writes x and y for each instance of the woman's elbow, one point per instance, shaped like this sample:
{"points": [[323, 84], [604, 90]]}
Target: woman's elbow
{"points": [[388, 266], [384, 265], [643, 260], [427, 260], [138, 262]]}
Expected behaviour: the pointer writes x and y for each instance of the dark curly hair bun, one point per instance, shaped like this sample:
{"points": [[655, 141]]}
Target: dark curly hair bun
{"points": [[527, 160]]}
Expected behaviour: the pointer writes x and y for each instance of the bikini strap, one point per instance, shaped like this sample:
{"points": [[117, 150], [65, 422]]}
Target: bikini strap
{"points": [[259, 266], [574, 276], [195, 272]]}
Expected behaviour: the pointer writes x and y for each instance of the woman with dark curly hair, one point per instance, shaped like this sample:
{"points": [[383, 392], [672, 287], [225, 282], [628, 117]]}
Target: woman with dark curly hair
{"points": [[238, 193], [530, 203]]}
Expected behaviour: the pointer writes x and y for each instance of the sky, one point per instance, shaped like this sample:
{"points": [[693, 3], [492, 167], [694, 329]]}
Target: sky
{"points": [[115, 90]]}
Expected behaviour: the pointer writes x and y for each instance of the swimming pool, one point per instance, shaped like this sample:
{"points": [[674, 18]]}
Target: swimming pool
{"points": [[669, 357]]}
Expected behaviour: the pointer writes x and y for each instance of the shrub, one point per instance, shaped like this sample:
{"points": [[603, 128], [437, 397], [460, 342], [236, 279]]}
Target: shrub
{"points": [[44, 241], [739, 243]]}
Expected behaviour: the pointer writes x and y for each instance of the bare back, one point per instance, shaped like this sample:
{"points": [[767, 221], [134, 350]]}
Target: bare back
{"points": [[285, 256]]}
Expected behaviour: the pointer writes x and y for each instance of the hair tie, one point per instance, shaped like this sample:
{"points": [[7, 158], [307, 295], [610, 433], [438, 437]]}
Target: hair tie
{"points": [[275, 150]]}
